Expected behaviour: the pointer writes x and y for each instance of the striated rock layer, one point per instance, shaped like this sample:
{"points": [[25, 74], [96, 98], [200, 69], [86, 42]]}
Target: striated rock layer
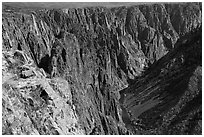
{"points": [[97, 70]]}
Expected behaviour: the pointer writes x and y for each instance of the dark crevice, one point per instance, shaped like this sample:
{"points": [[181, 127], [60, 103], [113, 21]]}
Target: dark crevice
{"points": [[19, 47], [45, 63], [64, 55], [44, 95]]}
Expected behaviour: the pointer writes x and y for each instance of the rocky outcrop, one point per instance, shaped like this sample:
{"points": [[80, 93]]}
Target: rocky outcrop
{"points": [[68, 65], [34, 104]]}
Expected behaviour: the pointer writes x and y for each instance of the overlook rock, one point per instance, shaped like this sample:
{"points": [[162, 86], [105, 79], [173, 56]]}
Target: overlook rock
{"points": [[97, 70]]}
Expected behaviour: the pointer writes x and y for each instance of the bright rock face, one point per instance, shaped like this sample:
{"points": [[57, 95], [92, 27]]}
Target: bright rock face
{"points": [[97, 70]]}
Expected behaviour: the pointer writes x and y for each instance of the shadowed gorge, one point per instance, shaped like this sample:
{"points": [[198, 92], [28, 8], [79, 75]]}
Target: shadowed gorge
{"points": [[98, 70]]}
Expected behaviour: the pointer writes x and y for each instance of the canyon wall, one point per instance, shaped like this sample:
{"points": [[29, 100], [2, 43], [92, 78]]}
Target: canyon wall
{"points": [[77, 71]]}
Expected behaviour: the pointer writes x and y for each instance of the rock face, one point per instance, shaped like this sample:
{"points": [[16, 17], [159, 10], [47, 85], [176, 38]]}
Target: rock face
{"points": [[97, 70]]}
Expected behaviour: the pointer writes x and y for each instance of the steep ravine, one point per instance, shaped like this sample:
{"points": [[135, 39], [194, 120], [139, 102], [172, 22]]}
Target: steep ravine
{"points": [[172, 87], [82, 70]]}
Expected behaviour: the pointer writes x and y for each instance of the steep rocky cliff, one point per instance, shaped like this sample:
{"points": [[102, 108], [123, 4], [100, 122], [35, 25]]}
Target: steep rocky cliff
{"points": [[97, 70], [167, 99]]}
